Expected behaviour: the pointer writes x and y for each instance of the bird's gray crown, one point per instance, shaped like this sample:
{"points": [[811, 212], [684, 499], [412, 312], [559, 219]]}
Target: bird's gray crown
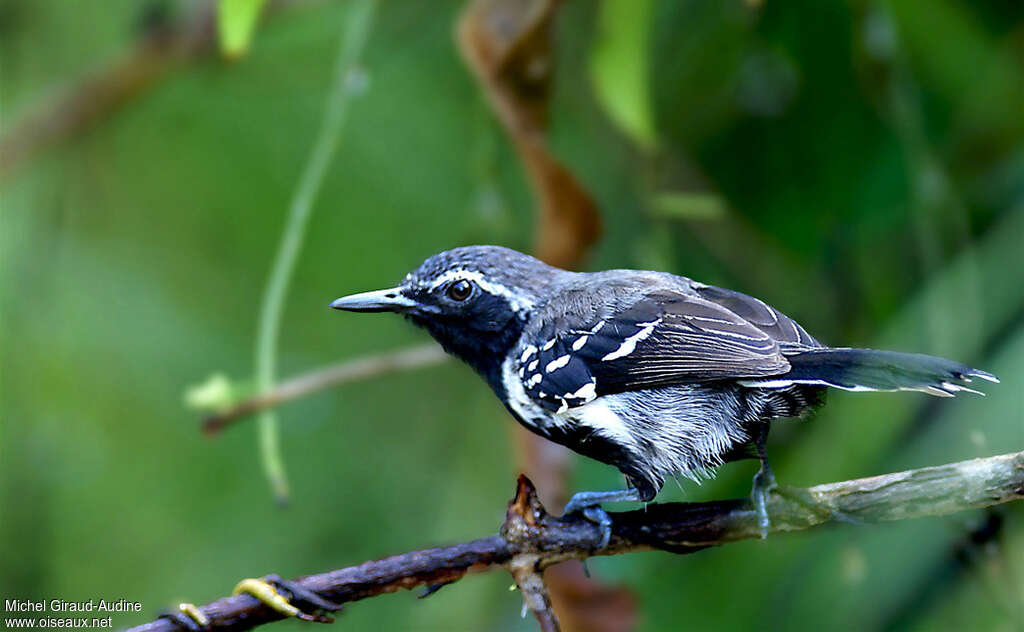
{"points": [[499, 271]]}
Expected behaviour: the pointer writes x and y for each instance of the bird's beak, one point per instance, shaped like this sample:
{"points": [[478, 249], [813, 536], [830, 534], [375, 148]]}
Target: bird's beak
{"points": [[390, 300]]}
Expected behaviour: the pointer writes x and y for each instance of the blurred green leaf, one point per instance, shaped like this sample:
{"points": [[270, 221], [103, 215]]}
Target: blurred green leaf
{"points": [[618, 67], [236, 23], [688, 205], [954, 55], [216, 394]]}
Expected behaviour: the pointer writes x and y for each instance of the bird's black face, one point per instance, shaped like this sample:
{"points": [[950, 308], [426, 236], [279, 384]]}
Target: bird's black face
{"points": [[472, 300]]}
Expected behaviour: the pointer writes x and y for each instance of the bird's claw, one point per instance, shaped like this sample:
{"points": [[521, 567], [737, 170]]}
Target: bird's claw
{"points": [[589, 504], [603, 521], [268, 590]]}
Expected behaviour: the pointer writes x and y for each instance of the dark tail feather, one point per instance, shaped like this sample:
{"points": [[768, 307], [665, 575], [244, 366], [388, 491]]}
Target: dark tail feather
{"points": [[870, 370]]}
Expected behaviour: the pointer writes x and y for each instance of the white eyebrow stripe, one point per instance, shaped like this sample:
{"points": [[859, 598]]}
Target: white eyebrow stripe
{"points": [[518, 302]]}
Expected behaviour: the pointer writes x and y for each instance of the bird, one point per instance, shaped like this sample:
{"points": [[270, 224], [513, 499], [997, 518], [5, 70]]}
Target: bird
{"points": [[655, 374]]}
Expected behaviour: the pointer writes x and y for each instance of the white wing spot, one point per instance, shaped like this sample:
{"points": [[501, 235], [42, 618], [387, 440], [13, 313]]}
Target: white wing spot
{"points": [[582, 340], [629, 344], [587, 392], [548, 345], [527, 352], [557, 363], [533, 365]]}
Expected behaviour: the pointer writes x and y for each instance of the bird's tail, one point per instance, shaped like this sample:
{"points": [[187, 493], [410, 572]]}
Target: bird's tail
{"points": [[871, 370]]}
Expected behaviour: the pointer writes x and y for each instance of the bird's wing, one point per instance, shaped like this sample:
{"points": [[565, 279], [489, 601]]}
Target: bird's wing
{"points": [[665, 338], [792, 338]]}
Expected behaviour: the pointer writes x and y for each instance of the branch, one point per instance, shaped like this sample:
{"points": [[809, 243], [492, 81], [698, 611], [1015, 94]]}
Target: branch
{"points": [[164, 45], [355, 370], [508, 46], [531, 539]]}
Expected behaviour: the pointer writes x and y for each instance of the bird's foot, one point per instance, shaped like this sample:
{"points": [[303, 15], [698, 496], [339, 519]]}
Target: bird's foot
{"points": [[589, 504], [187, 617], [764, 484], [603, 521], [269, 591]]}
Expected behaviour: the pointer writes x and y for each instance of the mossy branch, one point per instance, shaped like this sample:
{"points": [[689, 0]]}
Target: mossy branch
{"points": [[531, 539]]}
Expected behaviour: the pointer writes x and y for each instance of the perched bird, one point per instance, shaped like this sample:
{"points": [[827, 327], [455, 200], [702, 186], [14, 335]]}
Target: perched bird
{"points": [[654, 373]]}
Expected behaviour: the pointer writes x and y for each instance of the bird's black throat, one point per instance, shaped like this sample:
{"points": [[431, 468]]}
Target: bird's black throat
{"points": [[483, 348]]}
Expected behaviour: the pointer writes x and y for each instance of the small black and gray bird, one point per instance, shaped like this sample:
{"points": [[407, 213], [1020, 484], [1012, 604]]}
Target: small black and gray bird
{"points": [[654, 373]]}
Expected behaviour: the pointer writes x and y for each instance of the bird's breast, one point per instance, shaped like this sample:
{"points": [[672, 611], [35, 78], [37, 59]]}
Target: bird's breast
{"points": [[527, 411]]}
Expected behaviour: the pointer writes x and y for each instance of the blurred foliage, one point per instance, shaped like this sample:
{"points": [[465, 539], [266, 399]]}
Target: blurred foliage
{"points": [[236, 23], [618, 65], [865, 164]]}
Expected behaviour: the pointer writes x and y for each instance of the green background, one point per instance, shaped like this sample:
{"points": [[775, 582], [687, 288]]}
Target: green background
{"points": [[859, 165]]}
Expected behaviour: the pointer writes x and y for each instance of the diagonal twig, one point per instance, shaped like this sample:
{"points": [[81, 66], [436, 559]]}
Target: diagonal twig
{"points": [[362, 368]]}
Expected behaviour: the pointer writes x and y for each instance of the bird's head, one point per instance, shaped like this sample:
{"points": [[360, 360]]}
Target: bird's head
{"points": [[473, 300]]}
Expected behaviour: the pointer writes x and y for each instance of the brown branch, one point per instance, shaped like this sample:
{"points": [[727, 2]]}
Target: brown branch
{"points": [[509, 47], [355, 370], [532, 540]]}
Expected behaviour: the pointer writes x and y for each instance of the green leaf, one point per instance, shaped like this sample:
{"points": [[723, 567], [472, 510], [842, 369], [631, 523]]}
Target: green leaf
{"points": [[216, 394], [689, 205], [618, 67], [236, 22]]}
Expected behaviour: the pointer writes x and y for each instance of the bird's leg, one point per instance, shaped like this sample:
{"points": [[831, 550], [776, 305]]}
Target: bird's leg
{"points": [[764, 480], [589, 503], [764, 484]]}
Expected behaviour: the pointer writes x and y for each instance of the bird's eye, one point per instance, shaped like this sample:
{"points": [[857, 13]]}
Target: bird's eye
{"points": [[459, 290]]}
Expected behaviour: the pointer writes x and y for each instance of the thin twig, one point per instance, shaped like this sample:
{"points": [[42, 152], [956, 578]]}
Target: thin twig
{"points": [[530, 581], [353, 38], [532, 537], [362, 368]]}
